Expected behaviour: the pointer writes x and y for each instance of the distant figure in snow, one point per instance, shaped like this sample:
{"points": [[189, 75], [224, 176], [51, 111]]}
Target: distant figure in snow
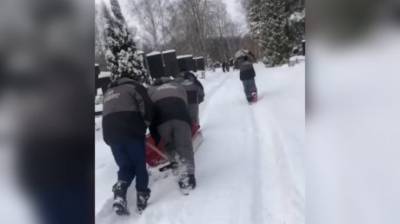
{"points": [[195, 95], [127, 112], [247, 75], [172, 125], [227, 66]]}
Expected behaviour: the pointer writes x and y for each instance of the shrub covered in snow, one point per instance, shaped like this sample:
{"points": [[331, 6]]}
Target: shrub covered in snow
{"points": [[121, 54]]}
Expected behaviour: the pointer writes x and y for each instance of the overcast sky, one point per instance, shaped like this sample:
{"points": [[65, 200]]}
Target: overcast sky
{"points": [[236, 10]]}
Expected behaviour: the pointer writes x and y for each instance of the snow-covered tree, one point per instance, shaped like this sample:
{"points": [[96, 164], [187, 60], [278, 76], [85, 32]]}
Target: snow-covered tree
{"points": [[270, 25], [297, 30], [256, 22], [121, 53]]}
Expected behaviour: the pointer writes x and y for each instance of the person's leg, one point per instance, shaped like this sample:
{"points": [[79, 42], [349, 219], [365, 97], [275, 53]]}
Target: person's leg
{"points": [[166, 134], [126, 170], [196, 120], [247, 91], [253, 87], [194, 114], [137, 154], [184, 147]]}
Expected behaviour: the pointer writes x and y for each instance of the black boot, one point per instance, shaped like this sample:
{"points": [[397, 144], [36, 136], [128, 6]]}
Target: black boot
{"points": [[141, 199], [187, 183], [120, 204], [192, 181], [249, 99]]}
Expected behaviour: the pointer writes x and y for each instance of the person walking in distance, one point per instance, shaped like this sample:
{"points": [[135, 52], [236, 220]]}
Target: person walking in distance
{"points": [[247, 76]]}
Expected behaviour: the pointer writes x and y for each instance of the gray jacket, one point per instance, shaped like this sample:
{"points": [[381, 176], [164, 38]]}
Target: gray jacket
{"points": [[170, 102], [194, 89], [127, 111]]}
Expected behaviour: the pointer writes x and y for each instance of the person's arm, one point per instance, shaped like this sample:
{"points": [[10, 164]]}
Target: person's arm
{"points": [[145, 104], [253, 71], [200, 91]]}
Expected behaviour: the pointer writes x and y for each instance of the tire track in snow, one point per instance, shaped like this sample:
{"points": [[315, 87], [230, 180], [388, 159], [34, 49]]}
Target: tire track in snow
{"points": [[291, 202], [253, 209], [209, 96], [258, 197]]}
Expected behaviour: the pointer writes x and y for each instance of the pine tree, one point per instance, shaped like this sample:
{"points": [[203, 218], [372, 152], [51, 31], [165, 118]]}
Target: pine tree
{"points": [[297, 29], [121, 52], [269, 25], [255, 17], [275, 41]]}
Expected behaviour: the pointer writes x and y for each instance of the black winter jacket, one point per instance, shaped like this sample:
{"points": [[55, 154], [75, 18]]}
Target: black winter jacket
{"points": [[247, 71]]}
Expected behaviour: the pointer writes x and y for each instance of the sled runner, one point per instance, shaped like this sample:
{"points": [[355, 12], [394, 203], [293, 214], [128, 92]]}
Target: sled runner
{"points": [[155, 154]]}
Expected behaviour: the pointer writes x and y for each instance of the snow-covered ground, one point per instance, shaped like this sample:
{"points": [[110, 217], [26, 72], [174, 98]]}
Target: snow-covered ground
{"points": [[249, 167], [353, 130]]}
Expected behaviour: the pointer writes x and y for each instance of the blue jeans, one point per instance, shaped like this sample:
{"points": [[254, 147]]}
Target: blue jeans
{"points": [[249, 86], [131, 160]]}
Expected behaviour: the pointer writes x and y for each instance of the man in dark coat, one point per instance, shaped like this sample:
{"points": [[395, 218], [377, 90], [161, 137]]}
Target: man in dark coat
{"points": [[172, 124], [127, 112], [247, 75]]}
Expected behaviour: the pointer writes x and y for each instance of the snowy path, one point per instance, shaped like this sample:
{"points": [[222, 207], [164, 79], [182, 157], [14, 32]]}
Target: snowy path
{"points": [[249, 167]]}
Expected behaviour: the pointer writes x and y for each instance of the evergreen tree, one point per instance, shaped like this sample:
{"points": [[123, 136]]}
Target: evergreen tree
{"points": [[275, 41], [271, 27], [121, 52], [256, 21], [297, 30]]}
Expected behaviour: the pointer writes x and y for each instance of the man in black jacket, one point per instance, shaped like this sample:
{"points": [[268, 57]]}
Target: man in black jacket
{"points": [[247, 75], [127, 112], [173, 124]]}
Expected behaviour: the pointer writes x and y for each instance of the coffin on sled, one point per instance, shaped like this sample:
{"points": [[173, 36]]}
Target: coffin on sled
{"points": [[155, 154]]}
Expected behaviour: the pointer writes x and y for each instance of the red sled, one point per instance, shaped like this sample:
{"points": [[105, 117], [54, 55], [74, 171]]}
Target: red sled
{"points": [[155, 154]]}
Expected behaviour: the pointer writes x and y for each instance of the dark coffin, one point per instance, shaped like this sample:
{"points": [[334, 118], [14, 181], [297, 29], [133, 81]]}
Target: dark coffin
{"points": [[186, 62], [171, 66], [155, 64], [200, 64]]}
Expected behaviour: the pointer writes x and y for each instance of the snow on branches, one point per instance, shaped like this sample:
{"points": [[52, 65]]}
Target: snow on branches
{"points": [[277, 27], [121, 53]]}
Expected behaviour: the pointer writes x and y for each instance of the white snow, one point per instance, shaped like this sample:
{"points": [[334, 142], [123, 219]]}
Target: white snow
{"points": [[153, 53], [297, 16], [104, 75], [184, 56], [168, 51], [353, 130], [249, 167]]}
